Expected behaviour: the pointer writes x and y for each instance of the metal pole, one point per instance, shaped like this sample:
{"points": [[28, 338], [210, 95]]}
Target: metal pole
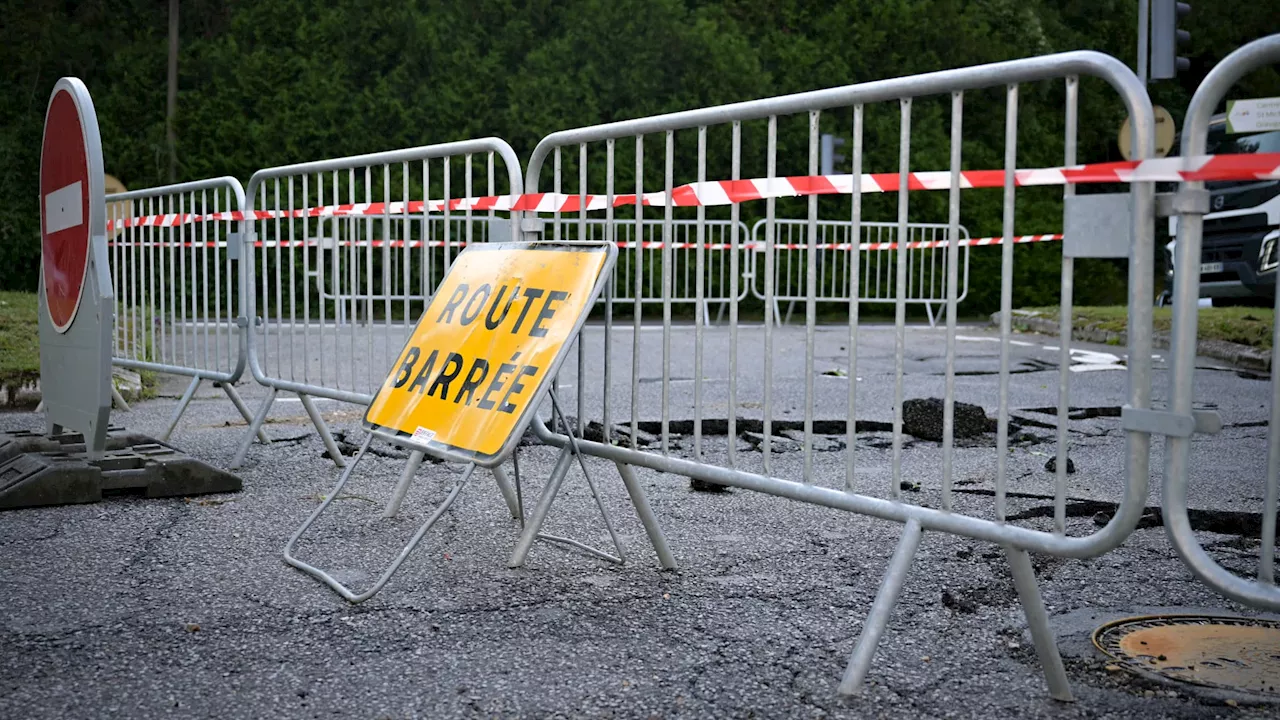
{"points": [[1144, 34], [171, 106]]}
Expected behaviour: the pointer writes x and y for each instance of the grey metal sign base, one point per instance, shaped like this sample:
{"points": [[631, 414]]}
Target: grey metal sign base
{"points": [[58, 469]]}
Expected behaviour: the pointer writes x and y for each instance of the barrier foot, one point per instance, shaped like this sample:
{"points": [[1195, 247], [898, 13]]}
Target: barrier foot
{"points": [[534, 523], [323, 428], [243, 410], [1024, 579], [881, 609], [402, 487], [182, 408], [933, 320], [254, 427], [508, 494], [327, 579], [119, 400], [647, 518]]}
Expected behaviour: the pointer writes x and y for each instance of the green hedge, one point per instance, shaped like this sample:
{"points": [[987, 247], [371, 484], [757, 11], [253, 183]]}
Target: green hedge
{"points": [[263, 84]]}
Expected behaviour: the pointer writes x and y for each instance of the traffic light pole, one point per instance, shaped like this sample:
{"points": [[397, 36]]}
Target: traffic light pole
{"points": [[1144, 33]]}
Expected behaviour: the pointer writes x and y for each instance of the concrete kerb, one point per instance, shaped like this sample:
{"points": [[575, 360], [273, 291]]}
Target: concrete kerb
{"points": [[1241, 356]]}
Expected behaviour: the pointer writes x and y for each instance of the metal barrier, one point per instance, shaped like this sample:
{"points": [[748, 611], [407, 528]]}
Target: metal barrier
{"points": [[926, 266], [631, 255], [348, 283], [1182, 420], [178, 285], [1017, 539], [634, 256], [381, 264]]}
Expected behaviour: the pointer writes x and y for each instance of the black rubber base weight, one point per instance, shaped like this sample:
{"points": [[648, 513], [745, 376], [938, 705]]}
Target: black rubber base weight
{"points": [[54, 470]]}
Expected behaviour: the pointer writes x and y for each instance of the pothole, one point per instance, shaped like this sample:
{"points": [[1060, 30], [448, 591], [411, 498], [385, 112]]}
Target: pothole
{"points": [[1237, 654]]}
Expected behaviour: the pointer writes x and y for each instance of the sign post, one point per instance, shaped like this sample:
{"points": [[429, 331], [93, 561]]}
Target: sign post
{"points": [[476, 368], [76, 301]]}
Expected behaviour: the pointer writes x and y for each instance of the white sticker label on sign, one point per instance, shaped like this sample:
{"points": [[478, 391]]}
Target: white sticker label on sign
{"points": [[63, 208], [423, 435]]}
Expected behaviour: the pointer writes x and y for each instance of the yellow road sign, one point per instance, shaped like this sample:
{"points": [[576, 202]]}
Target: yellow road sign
{"points": [[1165, 132], [467, 382]]}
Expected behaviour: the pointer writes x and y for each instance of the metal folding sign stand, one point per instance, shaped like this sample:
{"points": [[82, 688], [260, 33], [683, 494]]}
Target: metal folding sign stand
{"points": [[514, 500], [532, 529]]}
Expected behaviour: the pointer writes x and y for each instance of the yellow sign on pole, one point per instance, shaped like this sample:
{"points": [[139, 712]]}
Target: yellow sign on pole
{"points": [[466, 384], [1166, 133]]}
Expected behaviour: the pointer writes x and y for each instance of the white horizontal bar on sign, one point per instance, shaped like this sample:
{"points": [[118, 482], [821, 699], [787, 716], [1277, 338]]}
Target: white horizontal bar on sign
{"points": [[64, 208]]}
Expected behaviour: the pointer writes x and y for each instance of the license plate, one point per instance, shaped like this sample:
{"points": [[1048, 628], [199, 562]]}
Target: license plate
{"points": [[1206, 268]]}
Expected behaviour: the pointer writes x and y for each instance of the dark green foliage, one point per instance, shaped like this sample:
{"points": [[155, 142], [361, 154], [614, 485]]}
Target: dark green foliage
{"points": [[267, 83]]}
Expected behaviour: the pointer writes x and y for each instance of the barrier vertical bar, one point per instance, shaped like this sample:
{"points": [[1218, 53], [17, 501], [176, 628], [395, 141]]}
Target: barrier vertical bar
{"points": [[900, 288], [771, 160], [953, 257], [610, 236], [151, 265], [179, 249], [448, 221], [735, 173], [1065, 324], [279, 284], [810, 303], [699, 312], [637, 295], [319, 262], [406, 250], [582, 235], [667, 239], [369, 379], [293, 299], [1006, 296], [1267, 558], [426, 255], [855, 291]]}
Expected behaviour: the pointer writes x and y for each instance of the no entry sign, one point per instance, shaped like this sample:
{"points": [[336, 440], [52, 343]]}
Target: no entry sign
{"points": [[76, 300], [64, 207], [466, 384]]}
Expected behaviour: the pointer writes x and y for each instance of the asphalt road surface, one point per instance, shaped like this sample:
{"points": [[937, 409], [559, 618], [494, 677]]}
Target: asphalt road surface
{"points": [[137, 608]]}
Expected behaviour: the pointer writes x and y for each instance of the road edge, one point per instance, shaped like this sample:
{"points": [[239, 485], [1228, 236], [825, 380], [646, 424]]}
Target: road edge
{"points": [[1241, 356]]}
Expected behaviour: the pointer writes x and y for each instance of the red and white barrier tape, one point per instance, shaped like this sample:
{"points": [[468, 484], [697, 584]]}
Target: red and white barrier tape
{"points": [[920, 244], [648, 245], [1208, 168]]}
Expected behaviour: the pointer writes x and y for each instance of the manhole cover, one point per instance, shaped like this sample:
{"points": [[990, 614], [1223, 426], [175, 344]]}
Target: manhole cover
{"points": [[1231, 653]]}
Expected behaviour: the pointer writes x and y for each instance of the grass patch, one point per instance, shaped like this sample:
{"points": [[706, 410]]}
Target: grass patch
{"points": [[19, 342], [1242, 325]]}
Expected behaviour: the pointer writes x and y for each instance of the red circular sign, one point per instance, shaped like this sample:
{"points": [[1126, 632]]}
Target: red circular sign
{"points": [[64, 209]]}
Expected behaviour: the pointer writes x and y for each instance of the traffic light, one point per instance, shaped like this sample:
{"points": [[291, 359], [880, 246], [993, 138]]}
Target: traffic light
{"points": [[830, 157], [1166, 38]]}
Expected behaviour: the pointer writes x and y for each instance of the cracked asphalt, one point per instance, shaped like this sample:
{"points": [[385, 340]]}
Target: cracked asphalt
{"points": [[182, 607]]}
